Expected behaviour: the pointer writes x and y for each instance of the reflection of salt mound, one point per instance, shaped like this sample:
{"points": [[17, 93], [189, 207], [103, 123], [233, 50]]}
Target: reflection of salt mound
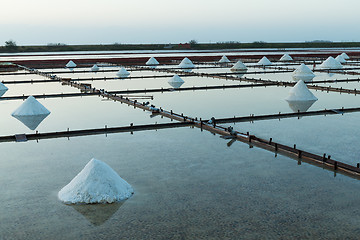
{"points": [[31, 113], [95, 68], [152, 61], [176, 81], [186, 63], [3, 89], [224, 59], [97, 214], [345, 56], [303, 73], [122, 73], [264, 61], [286, 57], [340, 59], [300, 98], [239, 67], [330, 63], [96, 183], [71, 64]]}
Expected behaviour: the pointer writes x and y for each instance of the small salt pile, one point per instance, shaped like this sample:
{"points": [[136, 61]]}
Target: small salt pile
{"points": [[71, 64], [96, 183], [176, 81], [340, 59], [330, 63], [152, 61], [122, 73], [239, 67], [264, 62], [286, 57], [31, 113], [3, 89], [95, 68], [303, 73], [345, 56], [186, 63], [224, 59], [300, 98]]}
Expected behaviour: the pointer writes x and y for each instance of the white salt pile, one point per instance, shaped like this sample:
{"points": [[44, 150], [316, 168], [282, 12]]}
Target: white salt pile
{"points": [[31, 113], [303, 73], [152, 61], [264, 62], [286, 57], [330, 63], [300, 98], [71, 64], [340, 59], [122, 73], [224, 59], [176, 81], [345, 56], [3, 89], [95, 68], [239, 67], [186, 63], [96, 183]]}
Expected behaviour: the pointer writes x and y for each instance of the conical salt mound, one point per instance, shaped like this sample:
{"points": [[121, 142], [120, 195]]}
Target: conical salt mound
{"points": [[264, 61], [303, 73], [152, 61], [3, 89], [330, 63], [176, 81], [31, 113], [95, 68], [345, 56], [71, 64], [186, 63], [286, 57], [340, 59], [224, 59], [239, 67], [96, 183], [300, 92], [122, 73]]}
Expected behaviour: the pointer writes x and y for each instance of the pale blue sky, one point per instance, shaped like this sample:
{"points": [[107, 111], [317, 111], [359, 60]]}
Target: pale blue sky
{"points": [[145, 21]]}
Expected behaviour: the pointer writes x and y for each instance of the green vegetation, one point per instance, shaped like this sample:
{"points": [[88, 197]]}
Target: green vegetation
{"points": [[10, 46]]}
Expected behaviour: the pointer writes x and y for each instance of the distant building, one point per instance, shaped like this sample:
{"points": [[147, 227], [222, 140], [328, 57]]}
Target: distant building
{"points": [[184, 45]]}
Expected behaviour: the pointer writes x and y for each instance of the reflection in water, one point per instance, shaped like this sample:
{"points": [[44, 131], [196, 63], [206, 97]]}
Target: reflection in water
{"points": [[97, 214], [240, 73], [301, 106], [176, 84], [31, 121]]}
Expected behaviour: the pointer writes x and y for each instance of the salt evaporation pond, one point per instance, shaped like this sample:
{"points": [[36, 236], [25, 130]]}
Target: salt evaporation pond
{"points": [[188, 184]]}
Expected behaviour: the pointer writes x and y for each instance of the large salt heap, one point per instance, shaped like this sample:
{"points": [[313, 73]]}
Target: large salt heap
{"points": [[224, 59], [3, 89], [345, 56], [31, 113], [264, 62], [152, 62], [340, 59], [71, 64], [286, 57], [96, 183], [122, 73], [330, 63], [303, 73], [300, 98], [95, 68], [239, 67], [176, 81]]}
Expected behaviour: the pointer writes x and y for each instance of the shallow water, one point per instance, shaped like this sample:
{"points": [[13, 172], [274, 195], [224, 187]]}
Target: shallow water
{"points": [[188, 184]]}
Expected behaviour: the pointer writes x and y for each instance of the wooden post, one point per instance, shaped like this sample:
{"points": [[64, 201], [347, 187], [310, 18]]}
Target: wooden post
{"points": [[270, 141]]}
